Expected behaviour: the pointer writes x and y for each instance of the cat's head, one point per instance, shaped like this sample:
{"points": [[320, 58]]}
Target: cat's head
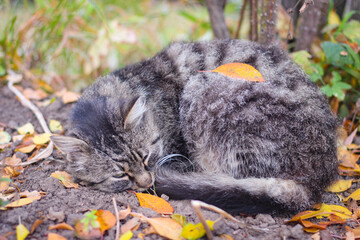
{"points": [[114, 144]]}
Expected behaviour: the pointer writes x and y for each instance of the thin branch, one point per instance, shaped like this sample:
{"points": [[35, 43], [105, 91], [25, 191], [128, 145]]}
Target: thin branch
{"points": [[26, 103], [241, 17], [117, 220], [304, 6]]}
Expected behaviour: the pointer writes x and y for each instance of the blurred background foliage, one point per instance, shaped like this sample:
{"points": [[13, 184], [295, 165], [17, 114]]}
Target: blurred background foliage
{"points": [[59, 44], [68, 43]]}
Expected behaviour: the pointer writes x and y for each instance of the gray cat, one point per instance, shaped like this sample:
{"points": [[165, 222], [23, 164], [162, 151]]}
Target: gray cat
{"points": [[253, 146]]}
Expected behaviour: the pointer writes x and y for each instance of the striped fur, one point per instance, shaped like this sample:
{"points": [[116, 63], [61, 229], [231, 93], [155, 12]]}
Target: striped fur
{"points": [[254, 146]]}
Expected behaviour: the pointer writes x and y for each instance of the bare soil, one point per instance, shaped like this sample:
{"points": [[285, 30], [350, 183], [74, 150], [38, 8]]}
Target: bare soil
{"points": [[66, 205]]}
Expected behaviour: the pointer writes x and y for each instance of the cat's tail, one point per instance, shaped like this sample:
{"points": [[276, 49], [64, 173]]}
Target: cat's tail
{"points": [[248, 195]]}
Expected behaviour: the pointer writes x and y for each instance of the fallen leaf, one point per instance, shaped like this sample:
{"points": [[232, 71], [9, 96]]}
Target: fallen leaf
{"points": [[106, 219], [35, 225], [55, 126], [239, 71], [347, 158], [28, 194], [69, 97], [5, 182], [195, 231], [4, 138], [325, 211], [63, 226], [27, 149], [226, 237], [340, 186], [34, 94], [179, 219], [41, 139], [126, 236], [309, 224], [155, 203], [355, 195], [166, 227], [21, 232], [84, 231], [54, 236], [124, 213], [65, 179], [131, 224], [22, 202], [27, 128]]}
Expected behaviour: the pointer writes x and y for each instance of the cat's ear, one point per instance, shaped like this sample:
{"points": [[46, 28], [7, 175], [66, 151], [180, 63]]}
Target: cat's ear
{"points": [[136, 113], [69, 144]]}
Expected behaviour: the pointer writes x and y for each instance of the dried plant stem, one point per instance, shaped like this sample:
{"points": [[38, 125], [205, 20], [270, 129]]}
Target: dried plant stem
{"points": [[117, 220], [26, 103], [197, 207]]}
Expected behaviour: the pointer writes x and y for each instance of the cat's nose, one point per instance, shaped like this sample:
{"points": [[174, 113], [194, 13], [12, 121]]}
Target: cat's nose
{"points": [[145, 180]]}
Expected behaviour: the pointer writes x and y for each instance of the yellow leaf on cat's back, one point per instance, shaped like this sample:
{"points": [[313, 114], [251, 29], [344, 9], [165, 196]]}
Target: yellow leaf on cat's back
{"points": [[340, 186], [155, 203], [239, 71]]}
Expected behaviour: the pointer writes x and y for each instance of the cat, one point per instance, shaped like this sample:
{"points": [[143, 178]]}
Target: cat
{"points": [[248, 147]]}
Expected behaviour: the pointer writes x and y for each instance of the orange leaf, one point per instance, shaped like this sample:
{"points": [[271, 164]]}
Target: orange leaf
{"points": [[89, 233], [4, 185], [240, 71], [27, 149], [22, 202], [65, 179], [309, 224], [155, 203], [35, 225], [106, 219], [166, 227], [347, 158], [63, 226], [54, 236]]}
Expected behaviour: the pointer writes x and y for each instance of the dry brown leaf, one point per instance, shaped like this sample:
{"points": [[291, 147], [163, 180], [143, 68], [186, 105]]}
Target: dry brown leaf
{"points": [[130, 225], [27, 194], [63, 226], [34, 94], [239, 71], [67, 96], [226, 237], [166, 227], [106, 219], [65, 179], [155, 203], [35, 225], [26, 149], [347, 158], [309, 224], [90, 233], [4, 185], [13, 161], [54, 236], [124, 213], [22, 202]]}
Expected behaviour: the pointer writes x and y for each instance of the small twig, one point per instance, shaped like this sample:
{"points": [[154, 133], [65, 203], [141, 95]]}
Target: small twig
{"points": [[3, 125], [197, 207], [117, 220], [241, 17], [26, 103]]}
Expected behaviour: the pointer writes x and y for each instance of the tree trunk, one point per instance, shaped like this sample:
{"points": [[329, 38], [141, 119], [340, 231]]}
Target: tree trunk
{"points": [[254, 20], [268, 19], [309, 24], [217, 19]]}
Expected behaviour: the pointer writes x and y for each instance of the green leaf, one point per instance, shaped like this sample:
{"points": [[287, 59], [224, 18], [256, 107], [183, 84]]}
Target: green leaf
{"points": [[336, 77], [354, 55], [90, 219], [344, 21], [302, 58], [352, 30], [318, 72], [327, 90], [334, 56]]}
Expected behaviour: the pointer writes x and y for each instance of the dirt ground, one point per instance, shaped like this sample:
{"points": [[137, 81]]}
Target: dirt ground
{"points": [[66, 205]]}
